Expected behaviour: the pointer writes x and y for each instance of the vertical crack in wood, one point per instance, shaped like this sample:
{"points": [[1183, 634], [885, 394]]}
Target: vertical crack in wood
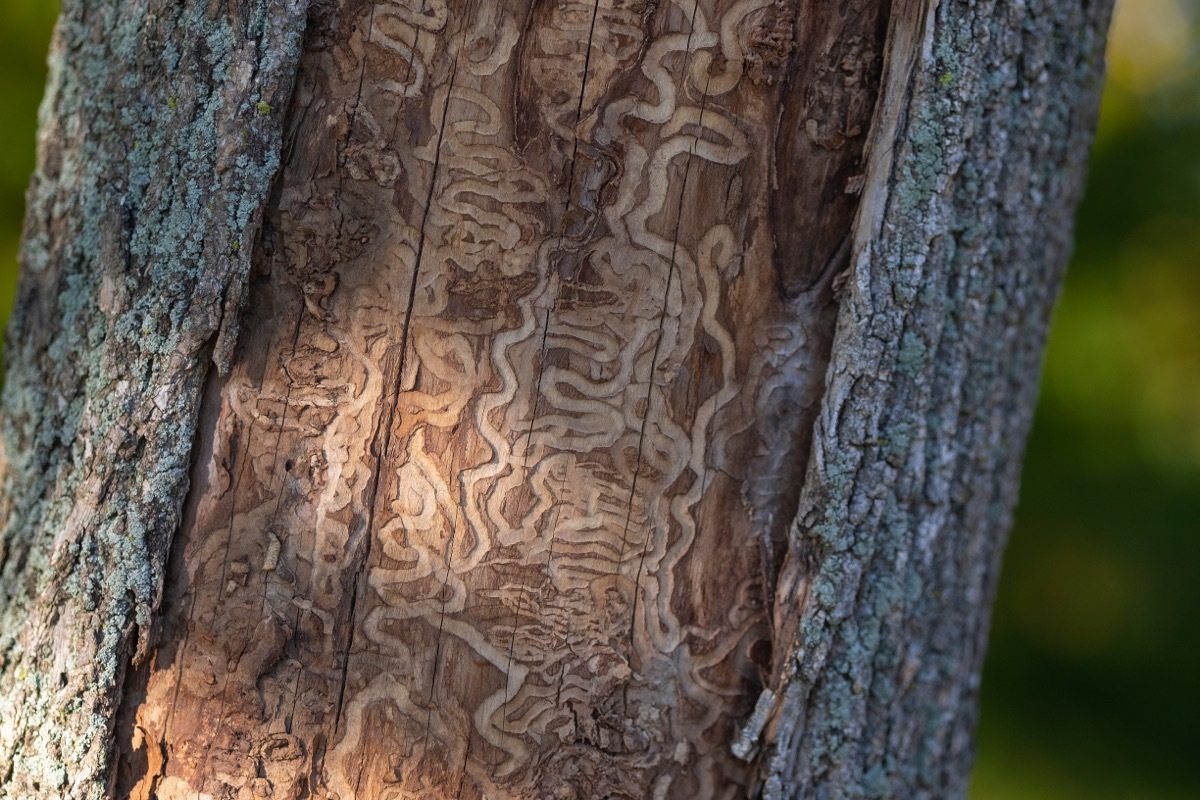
{"points": [[541, 357], [383, 450], [587, 58], [687, 165]]}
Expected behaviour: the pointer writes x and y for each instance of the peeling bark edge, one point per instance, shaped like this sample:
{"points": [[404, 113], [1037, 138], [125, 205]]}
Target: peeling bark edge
{"points": [[977, 163], [142, 218]]}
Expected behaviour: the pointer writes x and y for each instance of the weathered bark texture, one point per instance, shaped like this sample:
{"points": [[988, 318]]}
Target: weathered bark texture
{"points": [[981, 142], [159, 142], [628, 399]]}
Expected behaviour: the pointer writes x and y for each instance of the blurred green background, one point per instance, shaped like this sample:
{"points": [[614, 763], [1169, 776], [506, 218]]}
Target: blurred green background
{"points": [[1092, 687]]}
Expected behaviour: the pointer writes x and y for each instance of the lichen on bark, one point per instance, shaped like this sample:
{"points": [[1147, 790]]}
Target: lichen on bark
{"points": [[961, 245], [153, 167]]}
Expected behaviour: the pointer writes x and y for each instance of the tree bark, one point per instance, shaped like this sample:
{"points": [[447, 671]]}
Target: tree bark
{"points": [[508, 399]]}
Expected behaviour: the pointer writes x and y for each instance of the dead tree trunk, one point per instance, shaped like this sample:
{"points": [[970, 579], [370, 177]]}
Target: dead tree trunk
{"points": [[507, 399]]}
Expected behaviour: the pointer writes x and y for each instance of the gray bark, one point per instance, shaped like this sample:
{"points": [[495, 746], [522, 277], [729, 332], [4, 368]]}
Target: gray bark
{"points": [[161, 136], [916, 458]]}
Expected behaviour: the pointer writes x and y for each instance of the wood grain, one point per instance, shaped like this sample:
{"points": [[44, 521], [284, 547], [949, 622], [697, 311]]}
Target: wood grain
{"points": [[493, 498]]}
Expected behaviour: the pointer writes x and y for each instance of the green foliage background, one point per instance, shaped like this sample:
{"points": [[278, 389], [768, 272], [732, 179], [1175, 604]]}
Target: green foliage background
{"points": [[1092, 687]]}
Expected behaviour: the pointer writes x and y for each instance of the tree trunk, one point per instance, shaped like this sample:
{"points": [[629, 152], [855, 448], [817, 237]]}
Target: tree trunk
{"points": [[526, 400]]}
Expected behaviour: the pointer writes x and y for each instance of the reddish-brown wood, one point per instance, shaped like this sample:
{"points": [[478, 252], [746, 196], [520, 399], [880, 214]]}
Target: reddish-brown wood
{"points": [[494, 496]]}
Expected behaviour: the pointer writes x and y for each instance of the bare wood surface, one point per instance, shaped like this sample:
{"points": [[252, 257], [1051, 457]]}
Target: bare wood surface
{"points": [[480, 510]]}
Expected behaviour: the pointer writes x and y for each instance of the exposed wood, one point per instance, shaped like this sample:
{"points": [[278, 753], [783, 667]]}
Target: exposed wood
{"points": [[485, 507], [497, 496]]}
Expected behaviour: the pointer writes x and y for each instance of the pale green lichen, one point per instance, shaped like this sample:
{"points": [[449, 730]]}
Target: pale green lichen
{"points": [[933, 380], [912, 355], [146, 205]]}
